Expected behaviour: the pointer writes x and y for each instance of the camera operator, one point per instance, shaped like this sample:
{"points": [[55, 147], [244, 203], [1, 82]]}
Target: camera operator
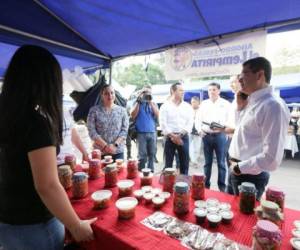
{"points": [[145, 112]]}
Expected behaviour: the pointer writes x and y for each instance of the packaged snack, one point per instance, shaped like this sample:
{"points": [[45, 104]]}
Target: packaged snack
{"points": [[101, 198], [126, 207]]}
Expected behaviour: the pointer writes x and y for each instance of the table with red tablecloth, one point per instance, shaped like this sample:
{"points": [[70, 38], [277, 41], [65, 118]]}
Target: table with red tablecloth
{"points": [[112, 233]]}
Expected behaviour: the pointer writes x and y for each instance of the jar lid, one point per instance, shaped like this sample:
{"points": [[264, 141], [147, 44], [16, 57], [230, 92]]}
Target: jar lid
{"points": [[269, 206], [146, 171], [64, 169], [69, 157], [247, 187], [198, 177], [268, 229], [169, 171], [214, 217], [101, 195], [125, 184], [201, 212], [119, 161], [200, 204], [110, 168], [227, 215], [224, 206], [181, 187], [275, 192], [94, 162], [79, 176], [158, 200], [126, 203]]}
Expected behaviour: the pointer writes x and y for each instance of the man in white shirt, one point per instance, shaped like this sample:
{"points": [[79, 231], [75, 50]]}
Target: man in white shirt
{"points": [[258, 141], [214, 109], [176, 122]]}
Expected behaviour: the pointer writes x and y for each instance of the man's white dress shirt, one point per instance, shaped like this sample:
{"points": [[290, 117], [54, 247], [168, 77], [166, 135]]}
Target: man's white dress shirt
{"points": [[176, 118], [259, 137]]}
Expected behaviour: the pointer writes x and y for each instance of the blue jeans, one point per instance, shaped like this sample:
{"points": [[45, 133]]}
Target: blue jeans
{"points": [[215, 142], [183, 154], [43, 236], [146, 143], [260, 181]]}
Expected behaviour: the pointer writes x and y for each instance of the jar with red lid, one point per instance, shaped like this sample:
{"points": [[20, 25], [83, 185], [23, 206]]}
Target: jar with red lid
{"points": [[132, 169], [169, 177], [276, 195], [111, 175], [71, 161], [181, 198], [96, 154], [266, 236], [94, 168], [65, 176], [198, 186], [80, 185], [146, 177]]}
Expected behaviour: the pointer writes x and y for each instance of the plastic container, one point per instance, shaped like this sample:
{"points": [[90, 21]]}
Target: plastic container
{"points": [[214, 219], [200, 215], [95, 169], [181, 198], [247, 197], [80, 185], [158, 202], [132, 169], [146, 177], [266, 236], [295, 242], [101, 198], [224, 206], [148, 197], [200, 204], [276, 195], [65, 176], [138, 194], [296, 232], [96, 154], [71, 161], [147, 189], [212, 202], [227, 216], [111, 175], [212, 209], [126, 207], [169, 177], [125, 187], [198, 186]]}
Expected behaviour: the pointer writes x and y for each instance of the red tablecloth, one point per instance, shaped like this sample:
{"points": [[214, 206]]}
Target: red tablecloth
{"points": [[114, 234]]}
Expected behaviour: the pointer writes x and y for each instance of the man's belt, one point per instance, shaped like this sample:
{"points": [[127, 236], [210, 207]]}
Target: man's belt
{"points": [[233, 159]]}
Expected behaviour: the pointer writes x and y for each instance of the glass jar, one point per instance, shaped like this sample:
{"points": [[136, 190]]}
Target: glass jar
{"points": [[198, 186], [80, 185], [146, 177], [169, 177], [71, 161], [247, 197], [94, 168], [96, 154], [65, 176], [111, 175], [132, 169], [276, 195], [266, 236], [181, 198]]}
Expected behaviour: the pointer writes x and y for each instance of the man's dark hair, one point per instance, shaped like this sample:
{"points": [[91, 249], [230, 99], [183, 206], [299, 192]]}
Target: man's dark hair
{"points": [[214, 84], [174, 86], [196, 98], [260, 63]]}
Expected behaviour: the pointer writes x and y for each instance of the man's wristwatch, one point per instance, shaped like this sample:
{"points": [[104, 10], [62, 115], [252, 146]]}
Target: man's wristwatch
{"points": [[236, 169]]}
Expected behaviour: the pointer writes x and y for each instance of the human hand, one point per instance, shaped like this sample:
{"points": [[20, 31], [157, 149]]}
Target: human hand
{"points": [[85, 157], [242, 100], [83, 231], [234, 168], [110, 149], [176, 139]]}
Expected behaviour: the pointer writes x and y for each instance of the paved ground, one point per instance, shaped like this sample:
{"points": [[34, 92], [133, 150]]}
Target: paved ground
{"points": [[286, 177]]}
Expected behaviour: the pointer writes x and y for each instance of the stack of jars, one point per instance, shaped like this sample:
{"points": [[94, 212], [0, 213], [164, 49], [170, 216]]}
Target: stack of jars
{"points": [[132, 169], [266, 236], [111, 175], [80, 185], [71, 161], [181, 198], [94, 168], [198, 186], [65, 176], [276, 195], [169, 177], [247, 197]]}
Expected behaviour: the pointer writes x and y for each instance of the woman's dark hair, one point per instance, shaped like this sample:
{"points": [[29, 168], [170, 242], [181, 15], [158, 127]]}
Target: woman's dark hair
{"points": [[33, 80]]}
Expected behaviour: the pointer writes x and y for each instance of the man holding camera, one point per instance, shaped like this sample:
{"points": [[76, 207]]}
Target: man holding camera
{"points": [[145, 112]]}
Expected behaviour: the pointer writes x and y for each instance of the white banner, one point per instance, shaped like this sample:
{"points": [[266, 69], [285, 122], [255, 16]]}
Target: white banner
{"points": [[226, 59]]}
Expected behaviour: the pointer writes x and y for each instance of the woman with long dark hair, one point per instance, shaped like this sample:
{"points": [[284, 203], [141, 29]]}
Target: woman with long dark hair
{"points": [[33, 204]]}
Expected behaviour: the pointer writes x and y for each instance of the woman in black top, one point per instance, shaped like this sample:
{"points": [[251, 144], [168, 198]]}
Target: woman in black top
{"points": [[32, 201]]}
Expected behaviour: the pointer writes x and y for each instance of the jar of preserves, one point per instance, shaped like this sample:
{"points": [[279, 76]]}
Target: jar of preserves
{"points": [[96, 154], [94, 168], [65, 176], [198, 186], [132, 169], [276, 195], [71, 161], [266, 236], [181, 198], [80, 185], [169, 177], [247, 197], [111, 175], [146, 177]]}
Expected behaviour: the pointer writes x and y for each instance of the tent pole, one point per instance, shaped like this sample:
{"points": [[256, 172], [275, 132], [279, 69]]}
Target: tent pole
{"points": [[110, 72]]}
